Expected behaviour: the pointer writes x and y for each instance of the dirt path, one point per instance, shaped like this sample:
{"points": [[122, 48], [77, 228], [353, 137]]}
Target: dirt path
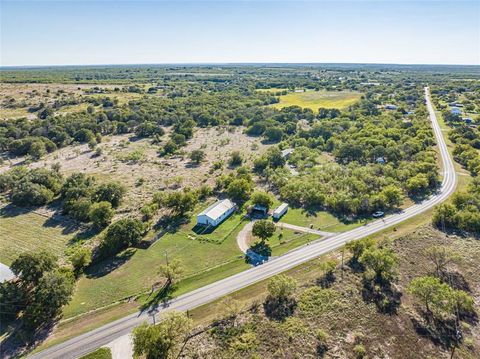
{"points": [[242, 236]]}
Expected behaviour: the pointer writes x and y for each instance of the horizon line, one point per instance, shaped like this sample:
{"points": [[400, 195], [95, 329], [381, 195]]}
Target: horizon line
{"points": [[230, 64]]}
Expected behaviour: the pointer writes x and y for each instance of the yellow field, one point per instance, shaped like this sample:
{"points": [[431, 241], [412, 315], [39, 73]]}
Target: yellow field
{"points": [[318, 99]]}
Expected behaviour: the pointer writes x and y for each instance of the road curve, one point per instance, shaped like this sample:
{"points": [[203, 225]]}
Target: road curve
{"points": [[94, 339]]}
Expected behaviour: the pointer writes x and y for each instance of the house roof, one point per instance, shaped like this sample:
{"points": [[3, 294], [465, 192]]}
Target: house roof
{"points": [[287, 152], [215, 210], [280, 208]]}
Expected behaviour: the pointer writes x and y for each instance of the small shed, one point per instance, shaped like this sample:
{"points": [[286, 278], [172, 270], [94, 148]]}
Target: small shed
{"points": [[280, 211], [287, 152], [216, 213]]}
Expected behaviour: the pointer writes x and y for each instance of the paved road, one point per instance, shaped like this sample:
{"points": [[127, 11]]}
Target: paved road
{"points": [[88, 342]]}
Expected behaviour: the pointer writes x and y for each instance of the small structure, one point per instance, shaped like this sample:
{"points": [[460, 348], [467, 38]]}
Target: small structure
{"points": [[280, 211], [287, 152], [381, 160], [5, 273], [390, 107], [456, 111], [468, 120], [216, 213], [259, 209]]}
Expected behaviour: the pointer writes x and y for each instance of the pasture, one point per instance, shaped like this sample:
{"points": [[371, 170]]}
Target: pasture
{"points": [[319, 99], [22, 230]]}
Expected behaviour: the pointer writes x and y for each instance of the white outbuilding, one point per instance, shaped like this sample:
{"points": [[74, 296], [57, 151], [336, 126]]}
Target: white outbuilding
{"points": [[216, 213], [280, 211]]}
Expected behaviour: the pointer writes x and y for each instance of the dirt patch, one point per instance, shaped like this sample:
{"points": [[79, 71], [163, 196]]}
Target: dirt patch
{"points": [[349, 319], [137, 165]]}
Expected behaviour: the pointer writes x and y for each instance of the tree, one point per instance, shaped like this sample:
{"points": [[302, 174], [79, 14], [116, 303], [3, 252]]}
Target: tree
{"points": [[281, 286], [235, 159], [381, 261], [239, 189], [162, 340], [197, 156], [80, 258], [30, 267], [328, 268], [441, 257], [53, 291], [172, 271], [417, 184], [358, 247], [439, 299], [31, 194], [101, 214], [263, 229], [109, 192], [392, 195], [273, 134], [262, 199], [121, 234], [444, 216], [180, 202]]}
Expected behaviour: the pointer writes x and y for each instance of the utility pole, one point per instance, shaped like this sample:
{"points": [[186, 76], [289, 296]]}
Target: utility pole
{"points": [[166, 257], [343, 251]]}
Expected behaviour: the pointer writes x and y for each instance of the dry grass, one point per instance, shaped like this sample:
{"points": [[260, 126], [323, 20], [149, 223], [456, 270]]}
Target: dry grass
{"points": [[348, 319]]}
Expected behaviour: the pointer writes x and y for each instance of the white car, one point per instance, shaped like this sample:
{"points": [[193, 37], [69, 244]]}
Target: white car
{"points": [[378, 214]]}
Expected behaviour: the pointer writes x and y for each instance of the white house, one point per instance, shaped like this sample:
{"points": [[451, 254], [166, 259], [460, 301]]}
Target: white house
{"points": [[216, 213], [280, 211]]}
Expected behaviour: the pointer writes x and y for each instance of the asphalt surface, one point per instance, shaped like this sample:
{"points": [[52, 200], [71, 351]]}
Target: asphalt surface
{"points": [[94, 339]]}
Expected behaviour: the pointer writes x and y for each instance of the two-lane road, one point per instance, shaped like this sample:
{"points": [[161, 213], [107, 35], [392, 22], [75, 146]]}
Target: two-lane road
{"points": [[90, 341]]}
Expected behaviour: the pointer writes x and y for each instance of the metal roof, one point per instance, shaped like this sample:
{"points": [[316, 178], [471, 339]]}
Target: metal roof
{"points": [[215, 210], [280, 208]]}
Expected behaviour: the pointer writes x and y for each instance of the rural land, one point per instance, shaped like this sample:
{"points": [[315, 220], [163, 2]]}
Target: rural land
{"points": [[225, 211]]}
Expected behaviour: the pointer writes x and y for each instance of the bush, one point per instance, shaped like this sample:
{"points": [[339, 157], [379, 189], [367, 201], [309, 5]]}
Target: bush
{"points": [[121, 234], [31, 194], [110, 192], [80, 258], [101, 214], [235, 159], [359, 351]]}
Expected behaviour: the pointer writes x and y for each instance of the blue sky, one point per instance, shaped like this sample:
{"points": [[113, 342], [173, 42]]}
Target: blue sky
{"points": [[121, 32]]}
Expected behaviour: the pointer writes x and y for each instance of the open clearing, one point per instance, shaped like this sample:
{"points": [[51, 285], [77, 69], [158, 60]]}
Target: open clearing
{"points": [[137, 165], [22, 230], [320, 220], [319, 99]]}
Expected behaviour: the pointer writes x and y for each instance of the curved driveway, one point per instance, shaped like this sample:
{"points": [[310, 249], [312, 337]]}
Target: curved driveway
{"points": [[88, 342]]}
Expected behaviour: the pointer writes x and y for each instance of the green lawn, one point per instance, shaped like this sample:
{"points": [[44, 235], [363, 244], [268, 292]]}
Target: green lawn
{"points": [[320, 220], [205, 258], [317, 99], [102, 353], [290, 240], [22, 230]]}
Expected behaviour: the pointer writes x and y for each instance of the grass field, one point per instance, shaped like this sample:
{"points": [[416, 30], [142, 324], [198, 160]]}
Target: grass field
{"points": [[320, 220], [22, 230], [317, 99], [205, 258]]}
